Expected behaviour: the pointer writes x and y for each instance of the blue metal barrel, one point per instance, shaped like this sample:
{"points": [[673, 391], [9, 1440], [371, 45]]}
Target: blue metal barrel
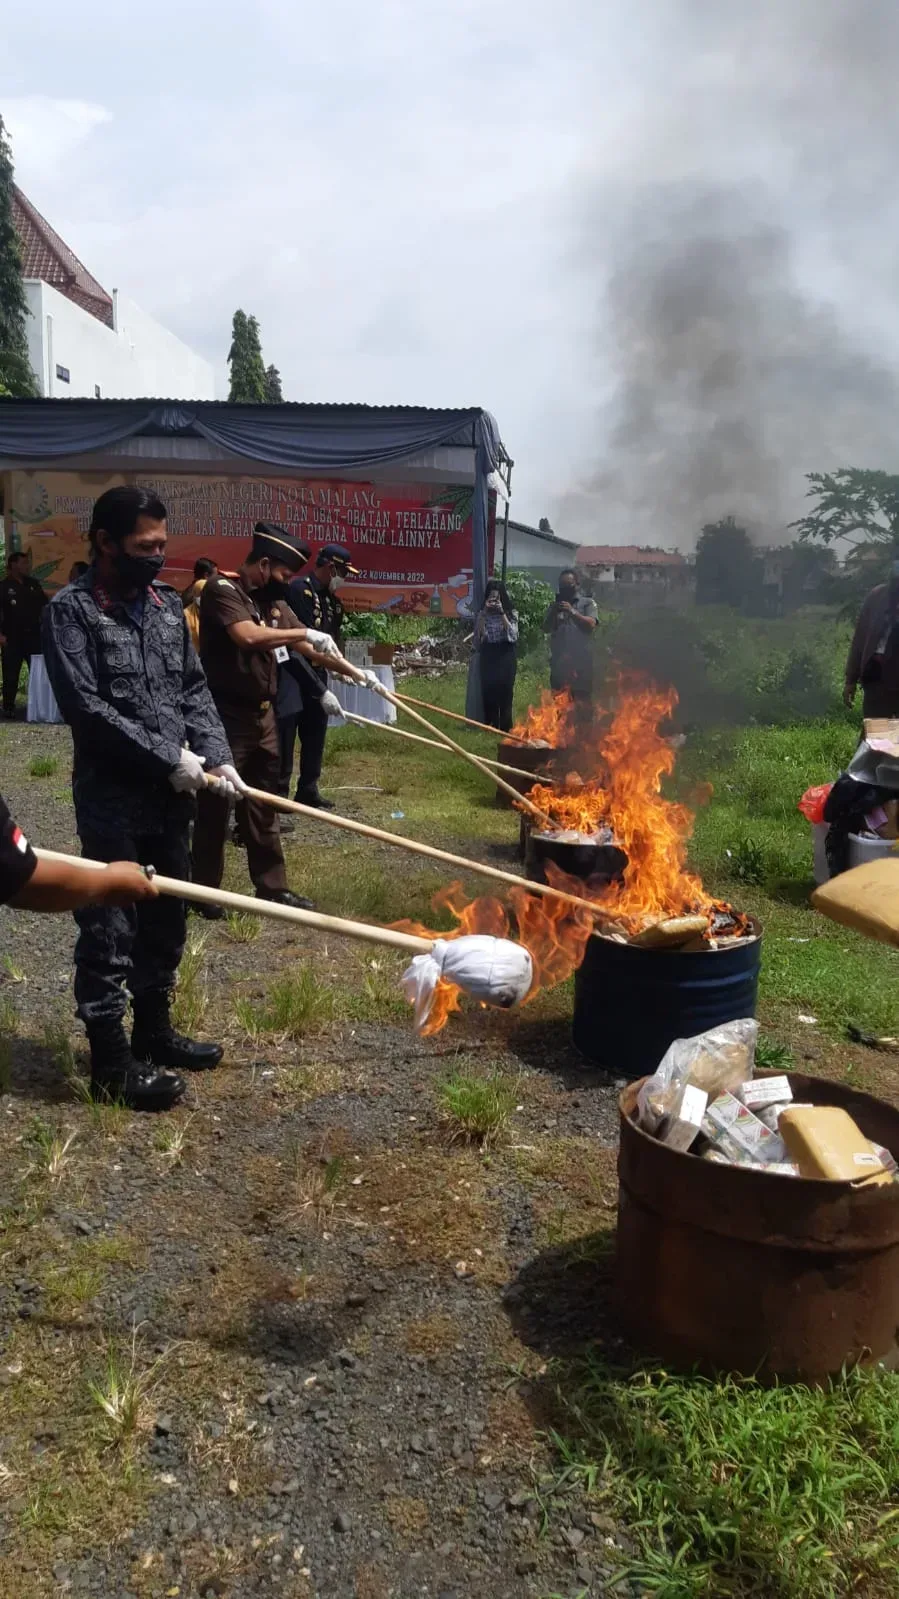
{"points": [[630, 1004]]}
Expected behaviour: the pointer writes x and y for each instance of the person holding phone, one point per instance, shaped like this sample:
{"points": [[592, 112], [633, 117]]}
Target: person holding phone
{"points": [[496, 640]]}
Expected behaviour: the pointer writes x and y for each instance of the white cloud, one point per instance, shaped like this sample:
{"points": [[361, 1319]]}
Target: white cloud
{"points": [[47, 131]]}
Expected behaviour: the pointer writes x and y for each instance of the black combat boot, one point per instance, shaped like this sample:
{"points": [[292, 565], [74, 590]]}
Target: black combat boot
{"points": [[312, 797], [117, 1076], [155, 1041]]}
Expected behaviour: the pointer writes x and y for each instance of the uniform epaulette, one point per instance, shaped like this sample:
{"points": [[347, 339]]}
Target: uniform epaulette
{"points": [[224, 582]]}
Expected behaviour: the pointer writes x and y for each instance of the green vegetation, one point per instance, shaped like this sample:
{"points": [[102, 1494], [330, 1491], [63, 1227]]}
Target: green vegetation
{"points": [[44, 766], [191, 995], [728, 1488], [242, 927], [477, 1107]]}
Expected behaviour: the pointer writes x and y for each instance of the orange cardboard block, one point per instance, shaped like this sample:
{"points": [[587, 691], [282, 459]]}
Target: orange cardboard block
{"points": [[867, 898], [825, 1142]]}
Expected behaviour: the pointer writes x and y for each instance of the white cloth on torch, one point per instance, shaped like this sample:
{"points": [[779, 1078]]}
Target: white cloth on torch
{"points": [[494, 971]]}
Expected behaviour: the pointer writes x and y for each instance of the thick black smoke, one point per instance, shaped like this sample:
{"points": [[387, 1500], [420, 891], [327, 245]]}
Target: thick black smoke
{"points": [[742, 245]]}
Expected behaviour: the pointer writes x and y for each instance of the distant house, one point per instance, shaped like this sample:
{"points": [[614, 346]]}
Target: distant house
{"points": [[629, 574], [84, 342], [537, 550]]}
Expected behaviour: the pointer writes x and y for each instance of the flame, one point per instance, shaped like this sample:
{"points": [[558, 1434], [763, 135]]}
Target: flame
{"points": [[550, 722], [553, 932], [631, 758]]}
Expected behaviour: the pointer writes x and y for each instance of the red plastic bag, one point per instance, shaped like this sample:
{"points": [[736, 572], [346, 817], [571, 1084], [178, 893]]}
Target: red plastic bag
{"points": [[814, 800]]}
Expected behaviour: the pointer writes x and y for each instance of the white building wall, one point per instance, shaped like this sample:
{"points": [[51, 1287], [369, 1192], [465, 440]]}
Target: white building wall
{"points": [[136, 359], [525, 553]]}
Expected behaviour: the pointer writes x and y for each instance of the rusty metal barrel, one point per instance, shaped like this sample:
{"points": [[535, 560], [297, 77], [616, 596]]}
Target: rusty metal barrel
{"points": [[727, 1269], [528, 758]]}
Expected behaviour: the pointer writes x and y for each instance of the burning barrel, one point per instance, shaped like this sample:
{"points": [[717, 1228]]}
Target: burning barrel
{"points": [[738, 1270], [583, 855], [530, 760], [631, 1003]]}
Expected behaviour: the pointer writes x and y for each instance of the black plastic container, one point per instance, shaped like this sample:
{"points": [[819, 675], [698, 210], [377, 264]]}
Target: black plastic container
{"points": [[630, 1004]]}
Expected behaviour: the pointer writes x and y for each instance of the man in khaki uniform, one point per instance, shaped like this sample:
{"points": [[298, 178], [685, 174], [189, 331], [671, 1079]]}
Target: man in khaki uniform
{"points": [[246, 630]]}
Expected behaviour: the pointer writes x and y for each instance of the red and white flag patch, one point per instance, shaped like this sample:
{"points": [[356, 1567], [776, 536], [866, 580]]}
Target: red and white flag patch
{"points": [[19, 839]]}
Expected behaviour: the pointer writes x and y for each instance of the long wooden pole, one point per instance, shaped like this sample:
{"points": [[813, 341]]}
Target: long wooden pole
{"points": [[199, 894], [467, 721], [473, 760], [434, 744], [263, 797]]}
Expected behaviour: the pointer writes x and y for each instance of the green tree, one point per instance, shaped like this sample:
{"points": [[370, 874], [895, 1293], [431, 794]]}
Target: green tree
{"points": [[16, 376], [728, 571], [852, 503], [273, 394], [531, 598], [245, 361]]}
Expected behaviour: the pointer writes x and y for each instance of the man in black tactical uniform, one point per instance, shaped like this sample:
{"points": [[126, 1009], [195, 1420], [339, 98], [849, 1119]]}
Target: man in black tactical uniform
{"points": [[314, 601], [21, 602], [145, 733]]}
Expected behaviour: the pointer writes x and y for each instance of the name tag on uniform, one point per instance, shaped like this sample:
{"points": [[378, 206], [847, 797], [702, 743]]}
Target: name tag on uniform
{"points": [[282, 654]]}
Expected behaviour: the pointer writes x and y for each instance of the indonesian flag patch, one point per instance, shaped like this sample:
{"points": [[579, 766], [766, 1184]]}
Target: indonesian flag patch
{"points": [[20, 841]]}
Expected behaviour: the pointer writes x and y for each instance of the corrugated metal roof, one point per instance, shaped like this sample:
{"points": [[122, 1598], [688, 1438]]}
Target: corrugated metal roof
{"points": [[626, 555], [539, 533], [46, 256]]}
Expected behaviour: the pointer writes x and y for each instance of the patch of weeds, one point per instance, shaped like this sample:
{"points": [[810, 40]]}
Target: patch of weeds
{"points": [[170, 1140], [44, 766], [52, 1147], [724, 1486], [191, 995], [250, 1019], [9, 1026], [476, 1108], [122, 1390], [59, 1042], [772, 1056], [430, 1337], [70, 1288], [298, 1003], [316, 1185], [13, 970], [380, 996], [308, 1082], [746, 862], [242, 927]]}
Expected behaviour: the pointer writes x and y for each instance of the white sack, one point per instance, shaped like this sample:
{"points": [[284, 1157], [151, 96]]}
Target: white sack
{"points": [[493, 970]]}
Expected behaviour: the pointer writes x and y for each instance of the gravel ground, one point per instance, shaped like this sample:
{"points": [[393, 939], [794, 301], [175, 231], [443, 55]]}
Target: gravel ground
{"points": [[338, 1376]]}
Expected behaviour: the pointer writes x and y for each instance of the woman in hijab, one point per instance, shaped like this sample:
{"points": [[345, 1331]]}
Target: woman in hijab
{"points": [[495, 638]]}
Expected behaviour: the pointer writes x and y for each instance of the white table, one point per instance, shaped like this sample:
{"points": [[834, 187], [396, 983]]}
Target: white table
{"points": [[42, 706], [361, 701]]}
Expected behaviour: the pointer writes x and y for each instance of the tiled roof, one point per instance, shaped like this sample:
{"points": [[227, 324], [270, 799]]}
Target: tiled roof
{"points": [[46, 256], [626, 555]]}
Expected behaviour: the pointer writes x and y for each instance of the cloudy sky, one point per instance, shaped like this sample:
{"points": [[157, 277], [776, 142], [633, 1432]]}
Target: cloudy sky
{"points": [[656, 239]]}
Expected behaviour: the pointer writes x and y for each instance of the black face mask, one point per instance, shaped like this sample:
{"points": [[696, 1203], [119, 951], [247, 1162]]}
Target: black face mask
{"points": [[567, 591], [138, 571], [273, 590]]}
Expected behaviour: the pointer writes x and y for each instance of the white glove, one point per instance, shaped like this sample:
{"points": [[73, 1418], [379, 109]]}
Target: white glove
{"points": [[331, 704], [322, 642], [188, 776], [228, 782], [373, 682]]}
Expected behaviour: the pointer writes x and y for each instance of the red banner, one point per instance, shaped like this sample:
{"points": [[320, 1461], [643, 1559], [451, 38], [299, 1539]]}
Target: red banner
{"points": [[412, 543]]}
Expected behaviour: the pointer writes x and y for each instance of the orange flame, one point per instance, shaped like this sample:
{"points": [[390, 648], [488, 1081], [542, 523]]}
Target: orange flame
{"points": [[553, 932], [550, 722], [632, 757]]}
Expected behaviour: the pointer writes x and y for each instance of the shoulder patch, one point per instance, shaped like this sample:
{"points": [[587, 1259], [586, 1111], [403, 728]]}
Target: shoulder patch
{"points": [[224, 583]]}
